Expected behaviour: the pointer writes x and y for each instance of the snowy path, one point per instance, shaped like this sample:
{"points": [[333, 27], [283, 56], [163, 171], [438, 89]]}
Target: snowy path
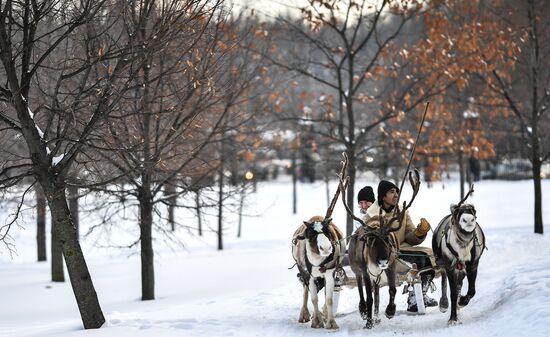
{"points": [[513, 289]]}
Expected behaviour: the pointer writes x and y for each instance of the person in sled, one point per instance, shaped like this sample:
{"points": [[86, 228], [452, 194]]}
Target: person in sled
{"points": [[409, 237], [365, 199]]}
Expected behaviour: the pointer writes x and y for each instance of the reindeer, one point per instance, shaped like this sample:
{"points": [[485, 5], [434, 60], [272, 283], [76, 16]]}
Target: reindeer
{"points": [[318, 248], [458, 243], [372, 254]]}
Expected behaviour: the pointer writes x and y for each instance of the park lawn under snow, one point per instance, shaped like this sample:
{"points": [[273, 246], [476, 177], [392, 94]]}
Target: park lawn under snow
{"points": [[247, 290]]}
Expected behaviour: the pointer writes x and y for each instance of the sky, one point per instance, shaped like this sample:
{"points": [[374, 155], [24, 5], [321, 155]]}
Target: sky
{"points": [[248, 290]]}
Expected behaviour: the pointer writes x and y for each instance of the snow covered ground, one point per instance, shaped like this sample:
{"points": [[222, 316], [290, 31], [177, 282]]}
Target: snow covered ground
{"points": [[247, 290]]}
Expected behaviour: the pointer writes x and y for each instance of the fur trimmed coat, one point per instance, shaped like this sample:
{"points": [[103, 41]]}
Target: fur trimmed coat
{"points": [[408, 240]]}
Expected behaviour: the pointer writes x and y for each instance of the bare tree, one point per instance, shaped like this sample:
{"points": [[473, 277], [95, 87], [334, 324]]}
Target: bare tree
{"points": [[30, 32], [174, 109], [526, 91], [351, 49], [504, 45], [67, 65]]}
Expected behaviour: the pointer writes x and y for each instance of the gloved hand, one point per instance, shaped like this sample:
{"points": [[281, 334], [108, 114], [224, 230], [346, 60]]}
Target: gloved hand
{"points": [[423, 228]]}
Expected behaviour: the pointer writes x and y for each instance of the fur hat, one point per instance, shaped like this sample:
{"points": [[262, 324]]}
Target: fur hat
{"points": [[365, 194], [383, 187]]}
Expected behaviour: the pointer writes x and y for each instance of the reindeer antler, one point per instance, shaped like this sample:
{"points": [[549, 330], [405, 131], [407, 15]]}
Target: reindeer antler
{"points": [[400, 214], [344, 185], [338, 190], [467, 195]]}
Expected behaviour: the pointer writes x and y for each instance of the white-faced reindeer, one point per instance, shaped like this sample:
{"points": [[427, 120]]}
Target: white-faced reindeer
{"points": [[372, 253], [458, 243], [318, 248]]}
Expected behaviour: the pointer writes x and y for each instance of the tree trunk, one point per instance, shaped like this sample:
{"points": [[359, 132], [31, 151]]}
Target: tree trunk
{"points": [[461, 172], [538, 82], [241, 205], [220, 205], [539, 229], [171, 200], [198, 209], [81, 281], [146, 240], [350, 194], [73, 207], [58, 274], [40, 223], [294, 179], [327, 189]]}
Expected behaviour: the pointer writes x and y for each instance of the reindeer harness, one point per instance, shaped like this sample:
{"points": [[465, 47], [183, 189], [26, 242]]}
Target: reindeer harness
{"points": [[330, 262], [455, 216]]}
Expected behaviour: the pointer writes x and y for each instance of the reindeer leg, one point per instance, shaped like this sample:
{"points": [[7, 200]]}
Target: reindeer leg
{"points": [[443, 301], [362, 303], [390, 309], [368, 288], [304, 312], [472, 275], [329, 291], [459, 281], [317, 319], [376, 290], [453, 284]]}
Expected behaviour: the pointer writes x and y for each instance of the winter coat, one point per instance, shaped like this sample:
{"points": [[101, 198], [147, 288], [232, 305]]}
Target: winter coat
{"points": [[408, 240]]}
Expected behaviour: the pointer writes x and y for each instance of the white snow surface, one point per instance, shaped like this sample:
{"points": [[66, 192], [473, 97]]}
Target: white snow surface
{"points": [[248, 290], [57, 159]]}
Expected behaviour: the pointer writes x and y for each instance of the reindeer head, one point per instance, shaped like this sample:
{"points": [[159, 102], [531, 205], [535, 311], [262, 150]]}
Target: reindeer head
{"points": [[379, 241], [318, 234], [464, 216]]}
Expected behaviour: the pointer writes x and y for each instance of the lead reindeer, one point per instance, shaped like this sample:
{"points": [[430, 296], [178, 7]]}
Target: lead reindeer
{"points": [[372, 254], [458, 243], [318, 248]]}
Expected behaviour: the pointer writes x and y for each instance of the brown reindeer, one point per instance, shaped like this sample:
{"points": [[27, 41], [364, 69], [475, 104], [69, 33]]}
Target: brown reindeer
{"points": [[372, 253], [458, 243], [318, 248]]}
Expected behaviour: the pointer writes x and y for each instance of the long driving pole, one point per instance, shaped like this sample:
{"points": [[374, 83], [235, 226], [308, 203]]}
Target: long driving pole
{"points": [[413, 151]]}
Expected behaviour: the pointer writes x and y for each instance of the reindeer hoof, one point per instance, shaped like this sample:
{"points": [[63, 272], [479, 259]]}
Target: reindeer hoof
{"points": [[443, 304], [363, 310], [370, 324], [464, 300], [317, 322], [331, 324], [390, 310], [453, 322], [304, 316]]}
